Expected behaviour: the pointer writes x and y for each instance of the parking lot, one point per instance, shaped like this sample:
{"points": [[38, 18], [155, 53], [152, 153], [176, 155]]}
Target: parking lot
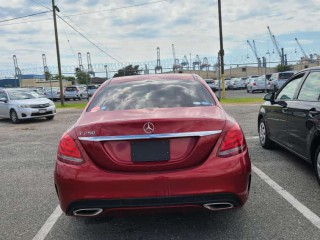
{"points": [[283, 203]]}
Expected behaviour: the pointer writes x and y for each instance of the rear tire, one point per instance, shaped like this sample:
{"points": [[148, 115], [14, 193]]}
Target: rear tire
{"points": [[14, 117], [263, 135], [316, 164]]}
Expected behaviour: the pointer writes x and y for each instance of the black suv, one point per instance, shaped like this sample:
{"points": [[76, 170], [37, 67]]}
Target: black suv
{"points": [[291, 117]]}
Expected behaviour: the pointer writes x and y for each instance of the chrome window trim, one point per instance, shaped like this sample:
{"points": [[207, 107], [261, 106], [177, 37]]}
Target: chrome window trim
{"points": [[150, 136]]}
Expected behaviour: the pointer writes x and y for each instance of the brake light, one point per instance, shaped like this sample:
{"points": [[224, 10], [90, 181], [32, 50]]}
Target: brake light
{"points": [[68, 151], [77, 90], [254, 84], [58, 92], [233, 142]]}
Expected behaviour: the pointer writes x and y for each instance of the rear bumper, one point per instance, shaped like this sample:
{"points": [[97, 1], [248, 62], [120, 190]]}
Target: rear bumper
{"points": [[217, 179], [155, 202]]}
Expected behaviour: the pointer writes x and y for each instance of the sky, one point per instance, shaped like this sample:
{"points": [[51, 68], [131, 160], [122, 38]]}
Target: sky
{"points": [[119, 32]]}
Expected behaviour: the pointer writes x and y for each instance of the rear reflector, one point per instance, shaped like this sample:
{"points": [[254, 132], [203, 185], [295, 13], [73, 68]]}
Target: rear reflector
{"points": [[233, 142], [68, 151]]}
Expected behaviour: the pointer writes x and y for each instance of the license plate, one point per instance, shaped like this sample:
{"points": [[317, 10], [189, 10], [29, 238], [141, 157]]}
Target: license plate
{"points": [[150, 151], [42, 110]]}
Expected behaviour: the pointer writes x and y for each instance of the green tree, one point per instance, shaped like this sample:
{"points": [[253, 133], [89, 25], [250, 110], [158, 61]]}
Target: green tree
{"points": [[47, 75], [283, 68], [128, 71], [82, 77]]}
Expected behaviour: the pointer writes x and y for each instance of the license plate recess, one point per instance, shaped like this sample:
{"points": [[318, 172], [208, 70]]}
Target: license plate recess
{"points": [[150, 150]]}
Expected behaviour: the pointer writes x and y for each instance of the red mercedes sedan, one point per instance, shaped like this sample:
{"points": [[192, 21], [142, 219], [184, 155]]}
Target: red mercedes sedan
{"points": [[152, 142]]}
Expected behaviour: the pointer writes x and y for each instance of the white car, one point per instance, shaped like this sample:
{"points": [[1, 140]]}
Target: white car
{"points": [[19, 104]]}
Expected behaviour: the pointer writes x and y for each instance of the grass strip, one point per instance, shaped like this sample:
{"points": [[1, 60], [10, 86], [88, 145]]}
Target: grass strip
{"points": [[242, 100], [81, 105]]}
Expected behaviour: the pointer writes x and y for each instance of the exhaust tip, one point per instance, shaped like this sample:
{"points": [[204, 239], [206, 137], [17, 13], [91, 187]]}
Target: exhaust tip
{"points": [[218, 206], [87, 212]]}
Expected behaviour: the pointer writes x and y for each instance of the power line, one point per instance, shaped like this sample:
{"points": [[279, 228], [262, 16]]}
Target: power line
{"points": [[118, 8], [86, 13], [82, 35], [30, 15], [79, 27], [41, 4]]}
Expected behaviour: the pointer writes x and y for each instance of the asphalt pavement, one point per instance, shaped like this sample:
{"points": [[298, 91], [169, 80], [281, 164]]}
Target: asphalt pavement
{"points": [[28, 198]]}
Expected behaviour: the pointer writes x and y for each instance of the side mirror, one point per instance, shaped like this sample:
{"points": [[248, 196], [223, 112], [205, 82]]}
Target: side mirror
{"points": [[270, 97], [3, 100]]}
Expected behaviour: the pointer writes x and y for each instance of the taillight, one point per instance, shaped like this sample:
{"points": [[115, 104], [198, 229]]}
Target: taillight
{"points": [[58, 92], [68, 151], [254, 84], [233, 142]]}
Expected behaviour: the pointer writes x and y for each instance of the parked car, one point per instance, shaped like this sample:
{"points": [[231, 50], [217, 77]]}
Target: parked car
{"points": [[19, 104], [52, 93], [211, 84], [291, 117], [74, 92], [227, 83], [256, 85], [152, 141], [91, 89], [235, 83], [218, 84], [278, 79]]}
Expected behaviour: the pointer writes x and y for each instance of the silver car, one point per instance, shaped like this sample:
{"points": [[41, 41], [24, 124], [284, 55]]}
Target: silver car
{"points": [[235, 83], [74, 92], [256, 85], [278, 79], [19, 104], [91, 89], [52, 93]]}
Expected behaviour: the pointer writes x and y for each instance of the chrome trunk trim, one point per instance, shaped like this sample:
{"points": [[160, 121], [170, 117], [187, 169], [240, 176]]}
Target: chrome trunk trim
{"points": [[150, 136]]}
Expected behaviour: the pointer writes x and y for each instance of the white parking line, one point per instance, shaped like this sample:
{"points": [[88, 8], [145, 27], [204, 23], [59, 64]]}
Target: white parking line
{"points": [[306, 212], [250, 138], [43, 232]]}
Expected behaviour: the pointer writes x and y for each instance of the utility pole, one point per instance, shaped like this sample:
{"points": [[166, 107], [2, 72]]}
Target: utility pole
{"points": [[221, 52], [54, 8]]}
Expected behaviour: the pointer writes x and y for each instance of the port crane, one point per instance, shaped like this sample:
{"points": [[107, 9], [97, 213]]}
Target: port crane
{"points": [[283, 57], [306, 57], [176, 64], [158, 68], [254, 50]]}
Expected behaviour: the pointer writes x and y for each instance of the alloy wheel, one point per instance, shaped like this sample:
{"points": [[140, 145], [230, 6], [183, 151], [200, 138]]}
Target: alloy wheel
{"points": [[262, 133], [14, 116]]}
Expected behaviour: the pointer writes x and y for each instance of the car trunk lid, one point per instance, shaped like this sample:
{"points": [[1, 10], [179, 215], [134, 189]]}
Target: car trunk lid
{"points": [[149, 140]]}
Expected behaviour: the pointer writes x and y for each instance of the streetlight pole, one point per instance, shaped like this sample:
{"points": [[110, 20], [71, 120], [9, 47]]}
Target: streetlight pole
{"points": [[54, 8], [221, 52]]}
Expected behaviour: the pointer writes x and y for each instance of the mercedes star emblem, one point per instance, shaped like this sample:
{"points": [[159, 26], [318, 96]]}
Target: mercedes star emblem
{"points": [[148, 127]]}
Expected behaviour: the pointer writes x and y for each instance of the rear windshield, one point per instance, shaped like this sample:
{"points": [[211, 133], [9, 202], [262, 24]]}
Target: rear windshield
{"points": [[260, 80], [92, 87], [151, 94], [71, 89], [285, 75]]}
